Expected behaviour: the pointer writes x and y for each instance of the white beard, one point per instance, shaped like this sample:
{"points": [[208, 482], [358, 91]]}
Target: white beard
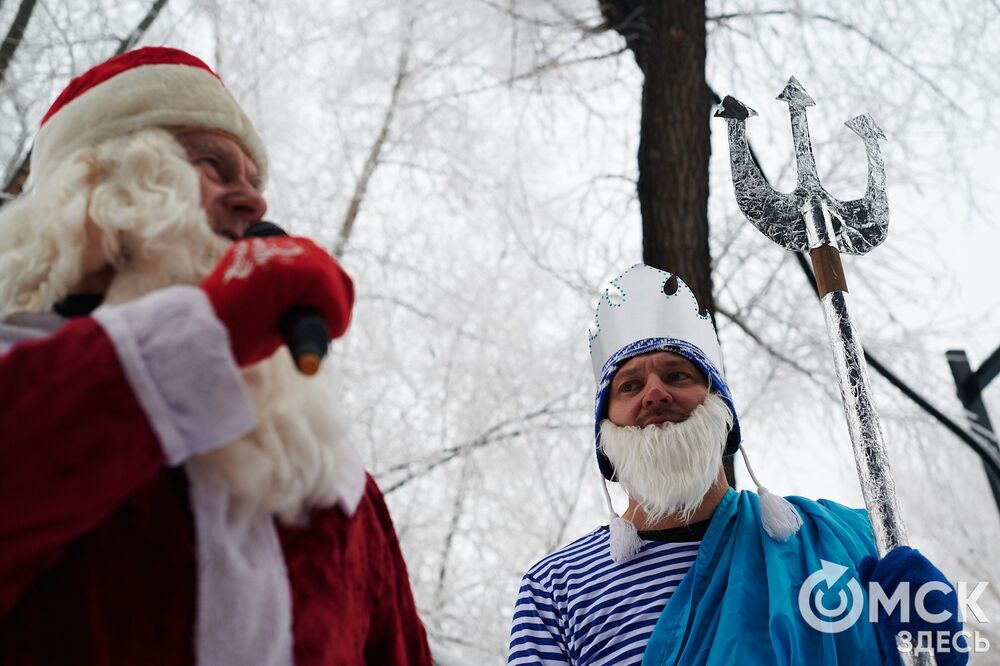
{"points": [[297, 458], [134, 202], [668, 469]]}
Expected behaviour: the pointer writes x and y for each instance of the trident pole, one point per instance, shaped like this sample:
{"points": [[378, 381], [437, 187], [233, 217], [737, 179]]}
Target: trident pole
{"points": [[870, 455], [810, 220]]}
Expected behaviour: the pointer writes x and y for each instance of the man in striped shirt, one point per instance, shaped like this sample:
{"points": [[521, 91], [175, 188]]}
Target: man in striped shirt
{"points": [[657, 421], [664, 419]]}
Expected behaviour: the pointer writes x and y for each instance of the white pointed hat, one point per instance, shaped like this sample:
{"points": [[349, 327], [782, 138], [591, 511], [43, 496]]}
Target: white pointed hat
{"points": [[647, 310]]}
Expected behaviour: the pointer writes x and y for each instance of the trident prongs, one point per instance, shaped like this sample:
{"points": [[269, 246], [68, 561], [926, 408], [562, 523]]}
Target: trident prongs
{"points": [[854, 227], [775, 214], [866, 219]]}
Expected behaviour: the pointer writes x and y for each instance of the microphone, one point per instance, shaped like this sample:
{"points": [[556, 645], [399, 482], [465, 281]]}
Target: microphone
{"points": [[302, 327]]}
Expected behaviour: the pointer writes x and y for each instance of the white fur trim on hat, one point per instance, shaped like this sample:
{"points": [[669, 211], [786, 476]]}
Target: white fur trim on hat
{"points": [[149, 95]]}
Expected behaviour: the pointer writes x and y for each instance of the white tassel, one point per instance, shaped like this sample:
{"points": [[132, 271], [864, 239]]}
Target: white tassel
{"points": [[777, 515], [625, 541]]}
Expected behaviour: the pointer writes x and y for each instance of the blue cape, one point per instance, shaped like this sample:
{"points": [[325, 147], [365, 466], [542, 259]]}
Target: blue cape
{"points": [[739, 602]]}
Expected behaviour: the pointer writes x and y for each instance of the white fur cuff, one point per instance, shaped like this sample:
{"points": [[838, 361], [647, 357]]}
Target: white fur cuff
{"points": [[176, 356]]}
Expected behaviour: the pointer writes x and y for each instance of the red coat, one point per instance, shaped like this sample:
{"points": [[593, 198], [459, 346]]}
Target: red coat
{"points": [[97, 540]]}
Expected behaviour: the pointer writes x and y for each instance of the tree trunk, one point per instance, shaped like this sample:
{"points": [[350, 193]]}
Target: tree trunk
{"points": [[674, 145], [668, 40]]}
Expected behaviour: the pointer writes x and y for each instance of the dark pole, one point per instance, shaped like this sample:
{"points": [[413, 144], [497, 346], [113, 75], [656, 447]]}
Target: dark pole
{"points": [[988, 370], [969, 387]]}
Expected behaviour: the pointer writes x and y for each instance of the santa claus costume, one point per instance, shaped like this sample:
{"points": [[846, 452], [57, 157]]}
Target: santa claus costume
{"points": [[159, 503]]}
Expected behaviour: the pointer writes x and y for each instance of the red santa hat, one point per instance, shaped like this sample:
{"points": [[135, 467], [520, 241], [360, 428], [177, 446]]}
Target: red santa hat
{"points": [[149, 87]]}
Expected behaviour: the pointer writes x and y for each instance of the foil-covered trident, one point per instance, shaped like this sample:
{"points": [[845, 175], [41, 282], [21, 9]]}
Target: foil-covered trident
{"points": [[811, 220]]}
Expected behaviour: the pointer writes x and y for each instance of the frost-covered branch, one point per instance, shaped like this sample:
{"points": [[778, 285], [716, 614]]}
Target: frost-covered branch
{"points": [[374, 157]]}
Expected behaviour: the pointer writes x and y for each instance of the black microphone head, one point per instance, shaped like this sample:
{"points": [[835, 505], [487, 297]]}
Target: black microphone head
{"points": [[264, 229]]}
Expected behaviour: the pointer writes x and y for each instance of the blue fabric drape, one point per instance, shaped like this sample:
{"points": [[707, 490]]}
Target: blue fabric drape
{"points": [[739, 602]]}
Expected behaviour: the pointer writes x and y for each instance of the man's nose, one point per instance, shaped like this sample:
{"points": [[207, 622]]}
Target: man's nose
{"points": [[656, 393], [246, 203]]}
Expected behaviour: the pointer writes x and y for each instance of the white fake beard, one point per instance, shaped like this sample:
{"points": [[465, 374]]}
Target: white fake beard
{"points": [[668, 469], [297, 458]]}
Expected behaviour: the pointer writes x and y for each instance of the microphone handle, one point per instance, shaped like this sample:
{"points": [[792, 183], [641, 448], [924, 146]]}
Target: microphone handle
{"points": [[306, 336], [302, 327]]}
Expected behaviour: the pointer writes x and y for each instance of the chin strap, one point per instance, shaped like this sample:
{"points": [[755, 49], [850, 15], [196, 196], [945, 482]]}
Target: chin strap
{"points": [[777, 515], [625, 541]]}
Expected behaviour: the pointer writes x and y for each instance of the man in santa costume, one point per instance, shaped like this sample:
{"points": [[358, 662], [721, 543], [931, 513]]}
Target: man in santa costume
{"points": [[694, 572], [171, 490]]}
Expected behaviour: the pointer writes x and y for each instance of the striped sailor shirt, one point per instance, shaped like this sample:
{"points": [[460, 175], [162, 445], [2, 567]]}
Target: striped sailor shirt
{"points": [[578, 607]]}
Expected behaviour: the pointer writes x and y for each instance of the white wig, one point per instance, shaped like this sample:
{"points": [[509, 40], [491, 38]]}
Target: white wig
{"points": [[126, 202]]}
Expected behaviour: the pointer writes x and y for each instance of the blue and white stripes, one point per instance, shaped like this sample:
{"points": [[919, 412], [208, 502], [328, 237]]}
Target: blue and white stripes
{"points": [[577, 606]]}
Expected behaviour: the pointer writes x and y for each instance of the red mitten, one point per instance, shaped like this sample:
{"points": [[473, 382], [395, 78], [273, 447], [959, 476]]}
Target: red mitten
{"points": [[260, 279]]}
